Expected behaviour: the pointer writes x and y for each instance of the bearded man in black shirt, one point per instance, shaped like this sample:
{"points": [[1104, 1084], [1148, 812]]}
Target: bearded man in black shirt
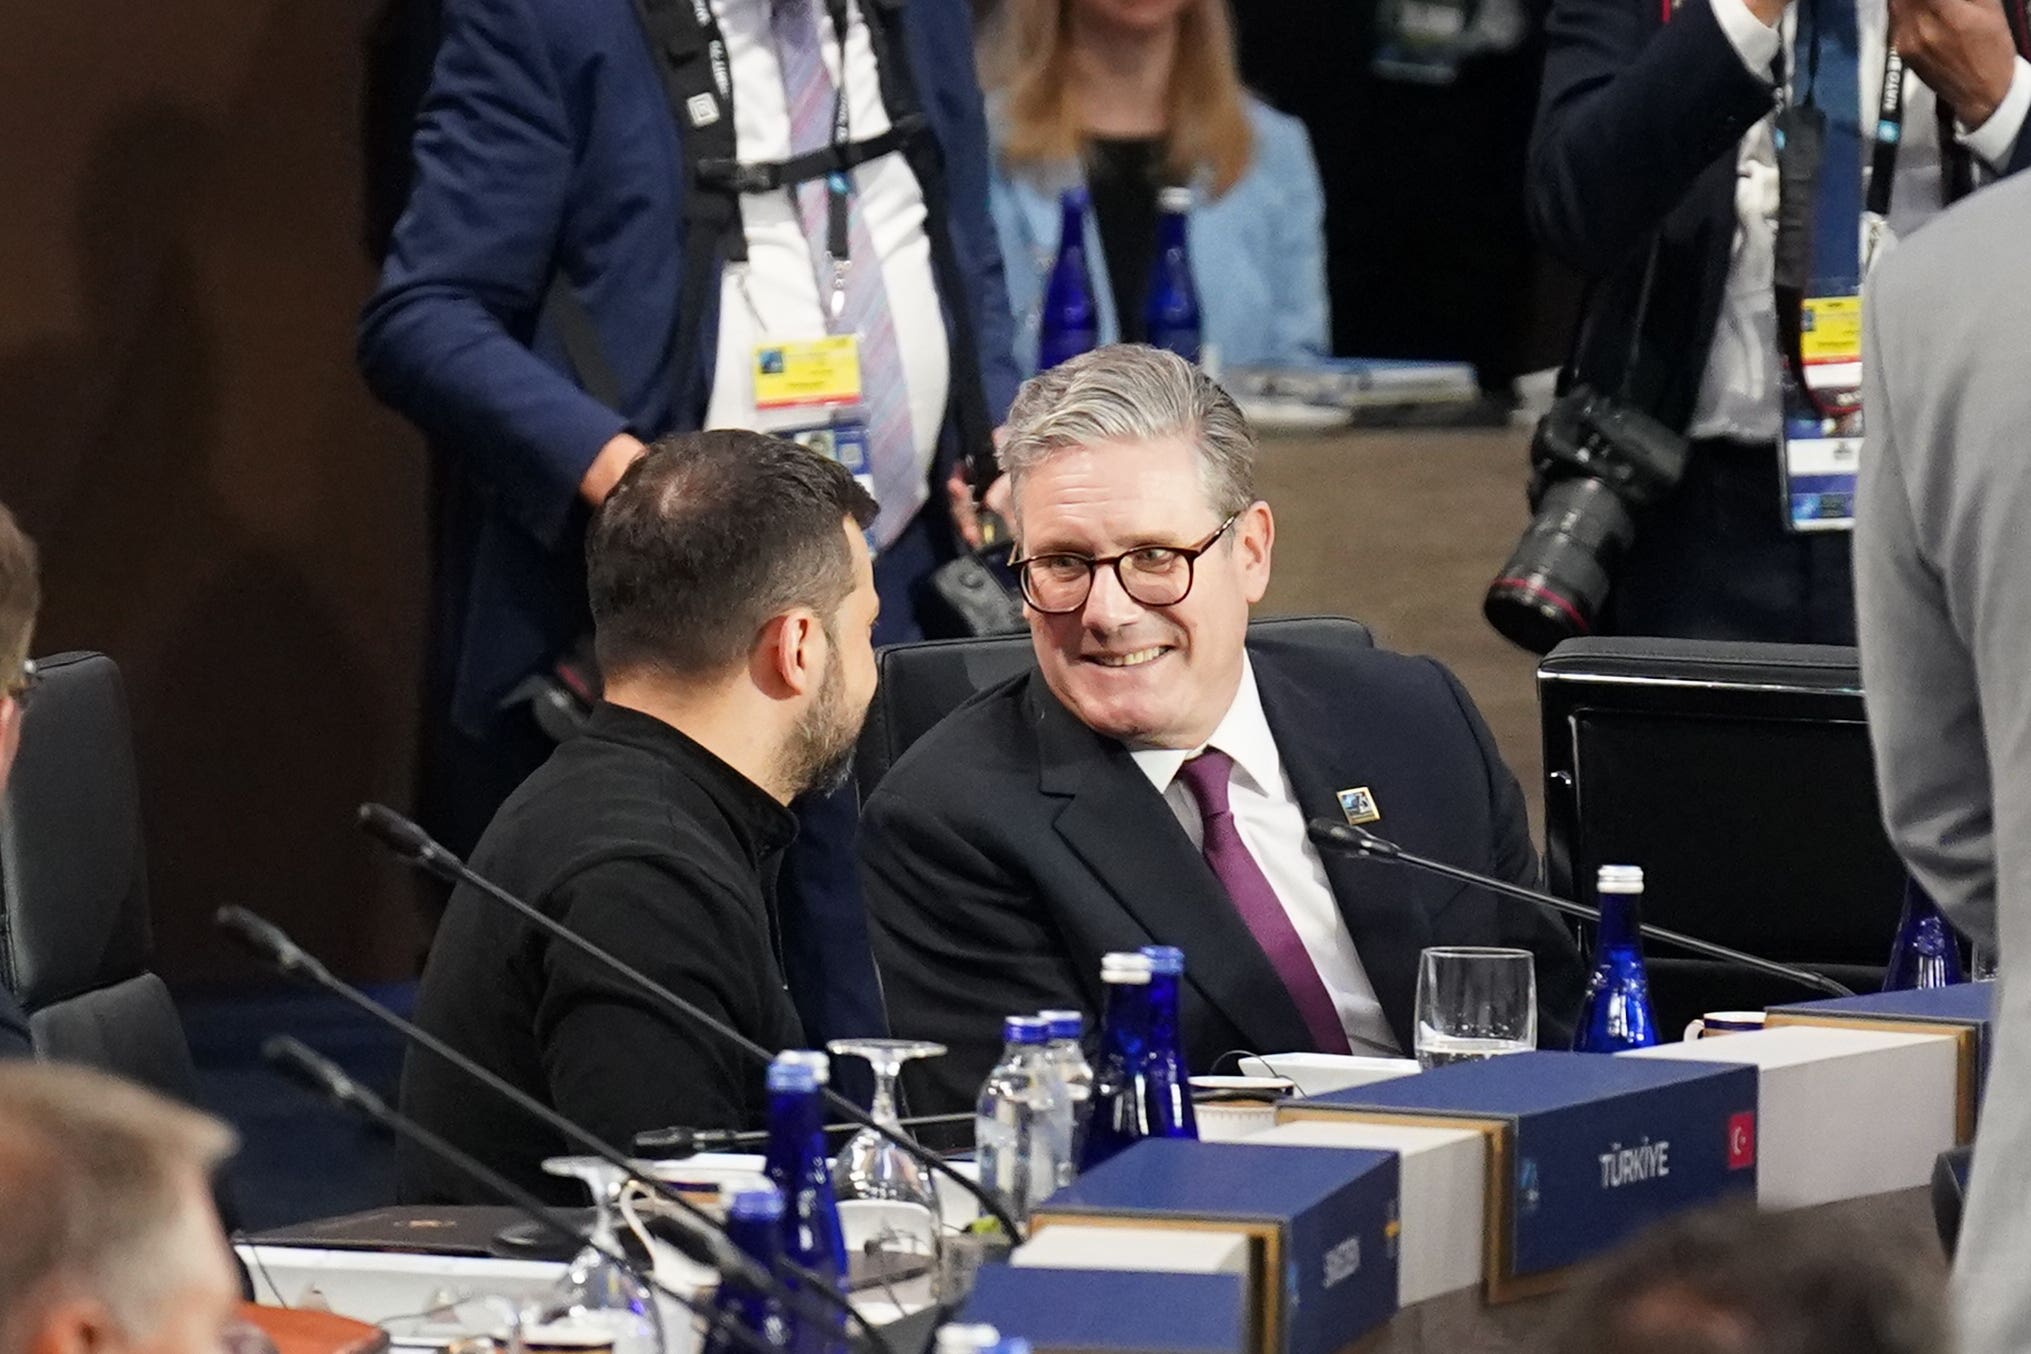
{"points": [[732, 601]]}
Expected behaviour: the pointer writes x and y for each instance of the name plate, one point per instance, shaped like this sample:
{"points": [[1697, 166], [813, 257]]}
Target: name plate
{"points": [[1845, 1112], [1583, 1150], [1322, 1227], [1063, 1311], [1963, 1011]]}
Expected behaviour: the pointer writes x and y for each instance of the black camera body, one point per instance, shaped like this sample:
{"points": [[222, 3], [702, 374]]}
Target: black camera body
{"points": [[1594, 462]]}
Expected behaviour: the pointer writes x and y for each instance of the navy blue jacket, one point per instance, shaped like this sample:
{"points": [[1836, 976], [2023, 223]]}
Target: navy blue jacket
{"points": [[1638, 122], [546, 143]]}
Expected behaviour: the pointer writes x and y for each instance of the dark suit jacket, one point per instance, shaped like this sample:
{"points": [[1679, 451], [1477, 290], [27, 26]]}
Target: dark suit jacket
{"points": [[546, 143], [1638, 123], [1012, 846]]}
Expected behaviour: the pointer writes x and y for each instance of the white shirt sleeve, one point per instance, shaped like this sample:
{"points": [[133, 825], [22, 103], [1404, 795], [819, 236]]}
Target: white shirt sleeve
{"points": [[1995, 139], [1756, 42]]}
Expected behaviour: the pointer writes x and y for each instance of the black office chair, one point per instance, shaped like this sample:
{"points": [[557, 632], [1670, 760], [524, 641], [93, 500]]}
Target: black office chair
{"points": [[74, 934], [920, 684], [1739, 776]]}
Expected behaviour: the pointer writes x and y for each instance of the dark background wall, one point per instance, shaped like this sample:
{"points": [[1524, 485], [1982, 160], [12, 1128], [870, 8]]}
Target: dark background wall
{"points": [[219, 505]]}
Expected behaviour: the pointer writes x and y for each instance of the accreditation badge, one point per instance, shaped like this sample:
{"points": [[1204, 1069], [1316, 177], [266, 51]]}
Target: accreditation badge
{"points": [[1821, 451], [808, 390]]}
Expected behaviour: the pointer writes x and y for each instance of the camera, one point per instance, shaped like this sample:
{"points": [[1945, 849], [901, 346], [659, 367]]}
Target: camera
{"points": [[1594, 463]]}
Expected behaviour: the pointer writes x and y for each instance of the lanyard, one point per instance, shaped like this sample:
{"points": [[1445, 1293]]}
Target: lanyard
{"points": [[838, 183]]}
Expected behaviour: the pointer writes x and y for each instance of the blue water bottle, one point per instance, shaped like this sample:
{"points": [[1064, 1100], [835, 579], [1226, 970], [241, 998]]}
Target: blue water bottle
{"points": [[799, 1167], [1168, 1085], [1118, 1115], [1615, 1014], [1925, 953], [754, 1222], [1170, 312], [1070, 322]]}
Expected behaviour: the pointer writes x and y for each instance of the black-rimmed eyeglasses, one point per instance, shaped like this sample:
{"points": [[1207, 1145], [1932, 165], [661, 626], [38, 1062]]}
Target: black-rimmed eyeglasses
{"points": [[19, 689], [1154, 575]]}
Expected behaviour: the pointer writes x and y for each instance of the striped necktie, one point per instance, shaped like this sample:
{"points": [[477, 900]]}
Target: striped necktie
{"points": [[900, 486]]}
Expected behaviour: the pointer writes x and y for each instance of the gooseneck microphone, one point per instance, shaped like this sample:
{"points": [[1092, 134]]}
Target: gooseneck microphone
{"points": [[414, 845], [702, 1242], [1359, 841], [326, 1079]]}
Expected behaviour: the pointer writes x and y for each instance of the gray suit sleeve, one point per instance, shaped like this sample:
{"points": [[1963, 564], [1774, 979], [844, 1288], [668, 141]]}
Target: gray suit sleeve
{"points": [[1925, 718]]}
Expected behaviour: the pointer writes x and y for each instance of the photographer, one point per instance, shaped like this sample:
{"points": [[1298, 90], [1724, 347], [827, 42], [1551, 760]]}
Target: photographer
{"points": [[1655, 169]]}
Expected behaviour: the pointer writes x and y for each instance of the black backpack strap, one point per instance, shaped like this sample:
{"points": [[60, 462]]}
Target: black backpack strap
{"points": [[927, 161], [685, 41]]}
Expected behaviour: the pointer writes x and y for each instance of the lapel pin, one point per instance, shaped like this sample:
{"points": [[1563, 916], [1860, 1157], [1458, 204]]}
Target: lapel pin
{"points": [[1359, 805]]}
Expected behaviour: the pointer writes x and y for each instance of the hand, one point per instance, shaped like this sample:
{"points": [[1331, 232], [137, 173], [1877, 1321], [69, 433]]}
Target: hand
{"points": [[965, 516], [606, 469], [1962, 49]]}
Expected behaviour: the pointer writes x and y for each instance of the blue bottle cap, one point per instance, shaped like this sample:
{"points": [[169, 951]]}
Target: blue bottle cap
{"points": [[1064, 1024], [1025, 1030], [792, 1076], [757, 1202], [1165, 959]]}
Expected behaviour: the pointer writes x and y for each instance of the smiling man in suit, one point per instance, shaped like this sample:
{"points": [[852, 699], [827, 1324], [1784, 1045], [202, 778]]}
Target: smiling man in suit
{"points": [[1149, 781]]}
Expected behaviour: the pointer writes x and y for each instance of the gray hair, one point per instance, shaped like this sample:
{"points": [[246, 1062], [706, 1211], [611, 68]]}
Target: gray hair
{"points": [[95, 1179], [1128, 392]]}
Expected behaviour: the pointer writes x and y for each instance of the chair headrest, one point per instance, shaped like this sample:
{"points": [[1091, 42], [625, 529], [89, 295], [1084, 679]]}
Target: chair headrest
{"points": [[73, 872]]}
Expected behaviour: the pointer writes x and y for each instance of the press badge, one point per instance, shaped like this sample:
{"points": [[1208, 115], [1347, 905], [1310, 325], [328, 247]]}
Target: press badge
{"points": [[808, 391], [1822, 430]]}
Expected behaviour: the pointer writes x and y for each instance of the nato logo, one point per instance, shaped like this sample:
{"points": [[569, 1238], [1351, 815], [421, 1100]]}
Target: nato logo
{"points": [[1528, 1194], [1359, 805]]}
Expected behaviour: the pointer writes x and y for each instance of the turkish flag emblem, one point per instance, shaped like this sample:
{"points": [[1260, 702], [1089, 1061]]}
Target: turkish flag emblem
{"points": [[1742, 1140]]}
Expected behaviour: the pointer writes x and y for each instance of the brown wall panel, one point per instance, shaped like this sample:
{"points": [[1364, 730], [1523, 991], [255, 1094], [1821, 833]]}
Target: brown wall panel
{"points": [[220, 505]]}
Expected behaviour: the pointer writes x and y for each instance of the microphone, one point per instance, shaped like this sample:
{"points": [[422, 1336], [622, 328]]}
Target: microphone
{"points": [[703, 1242], [326, 1079], [1346, 837], [413, 844]]}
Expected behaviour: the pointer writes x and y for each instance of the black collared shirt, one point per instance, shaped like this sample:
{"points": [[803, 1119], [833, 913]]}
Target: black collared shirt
{"points": [[644, 843]]}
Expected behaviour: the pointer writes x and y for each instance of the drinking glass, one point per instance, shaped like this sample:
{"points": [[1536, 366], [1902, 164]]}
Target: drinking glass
{"points": [[1474, 1002], [872, 1169], [597, 1304]]}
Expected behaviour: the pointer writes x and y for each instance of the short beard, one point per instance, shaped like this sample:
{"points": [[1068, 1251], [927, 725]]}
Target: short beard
{"points": [[819, 753]]}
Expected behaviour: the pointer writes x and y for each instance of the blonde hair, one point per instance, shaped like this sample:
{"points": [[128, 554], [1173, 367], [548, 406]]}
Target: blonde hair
{"points": [[20, 596], [1026, 56], [94, 1180]]}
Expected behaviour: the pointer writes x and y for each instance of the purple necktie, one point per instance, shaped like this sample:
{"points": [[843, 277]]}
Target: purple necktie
{"points": [[1206, 777], [900, 486]]}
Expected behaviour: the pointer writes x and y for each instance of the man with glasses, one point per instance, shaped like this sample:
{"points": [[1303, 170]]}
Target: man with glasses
{"points": [[1150, 781], [20, 596]]}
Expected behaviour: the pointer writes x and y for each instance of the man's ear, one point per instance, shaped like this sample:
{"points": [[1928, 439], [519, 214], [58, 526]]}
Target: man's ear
{"points": [[1254, 542], [791, 654]]}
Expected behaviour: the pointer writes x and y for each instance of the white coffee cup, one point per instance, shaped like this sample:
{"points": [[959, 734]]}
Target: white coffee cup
{"points": [[1716, 1023]]}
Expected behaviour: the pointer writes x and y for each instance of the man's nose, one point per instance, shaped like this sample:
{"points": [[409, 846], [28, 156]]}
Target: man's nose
{"points": [[1108, 605]]}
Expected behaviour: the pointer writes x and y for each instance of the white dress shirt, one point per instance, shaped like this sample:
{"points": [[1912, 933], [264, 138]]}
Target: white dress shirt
{"points": [[1272, 827], [776, 296], [1741, 395]]}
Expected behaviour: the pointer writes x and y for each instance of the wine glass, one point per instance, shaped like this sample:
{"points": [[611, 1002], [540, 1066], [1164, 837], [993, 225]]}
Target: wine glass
{"points": [[1474, 1002], [599, 1304], [872, 1170]]}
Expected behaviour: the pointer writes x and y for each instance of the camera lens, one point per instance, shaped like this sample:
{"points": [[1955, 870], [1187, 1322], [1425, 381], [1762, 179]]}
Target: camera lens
{"points": [[1556, 579]]}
